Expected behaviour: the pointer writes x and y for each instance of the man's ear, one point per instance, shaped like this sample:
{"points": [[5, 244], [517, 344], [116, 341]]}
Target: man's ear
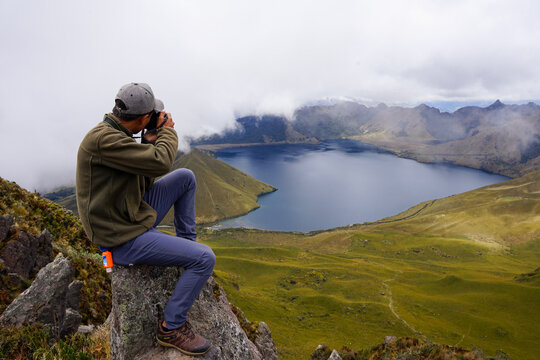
{"points": [[142, 119]]}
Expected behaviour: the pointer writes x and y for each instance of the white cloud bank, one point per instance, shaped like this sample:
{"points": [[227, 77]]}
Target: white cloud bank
{"points": [[62, 62]]}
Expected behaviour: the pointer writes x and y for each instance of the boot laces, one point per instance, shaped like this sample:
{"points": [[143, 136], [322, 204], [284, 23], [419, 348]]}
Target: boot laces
{"points": [[187, 330]]}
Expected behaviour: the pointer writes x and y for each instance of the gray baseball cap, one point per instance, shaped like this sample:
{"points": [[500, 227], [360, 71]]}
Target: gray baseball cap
{"points": [[136, 99]]}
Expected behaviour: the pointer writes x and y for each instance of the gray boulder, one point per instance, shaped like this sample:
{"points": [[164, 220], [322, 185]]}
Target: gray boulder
{"points": [[139, 295], [44, 251], [27, 254], [20, 255], [5, 224], [265, 343], [322, 352], [335, 356], [74, 294], [72, 320], [45, 301], [389, 339]]}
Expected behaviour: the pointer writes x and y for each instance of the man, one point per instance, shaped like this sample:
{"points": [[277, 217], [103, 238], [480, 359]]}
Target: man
{"points": [[120, 204]]}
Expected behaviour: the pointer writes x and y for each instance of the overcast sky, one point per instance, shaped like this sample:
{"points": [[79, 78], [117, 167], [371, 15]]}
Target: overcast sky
{"points": [[62, 62]]}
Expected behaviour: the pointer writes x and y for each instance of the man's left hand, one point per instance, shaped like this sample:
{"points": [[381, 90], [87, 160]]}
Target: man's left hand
{"points": [[151, 137]]}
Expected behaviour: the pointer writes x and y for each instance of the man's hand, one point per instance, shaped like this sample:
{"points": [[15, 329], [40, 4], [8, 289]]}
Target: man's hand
{"points": [[151, 136], [169, 122]]}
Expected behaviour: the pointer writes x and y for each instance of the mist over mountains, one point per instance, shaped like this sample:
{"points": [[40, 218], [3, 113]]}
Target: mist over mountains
{"points": [[499, 138]]}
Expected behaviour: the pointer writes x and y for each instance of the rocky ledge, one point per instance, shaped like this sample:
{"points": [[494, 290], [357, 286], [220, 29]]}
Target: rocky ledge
{"points": [[140, 294], [52, 300]]}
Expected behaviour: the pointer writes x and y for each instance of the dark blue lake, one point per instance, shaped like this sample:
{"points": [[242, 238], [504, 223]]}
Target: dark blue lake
{"points": [[341, 182]]}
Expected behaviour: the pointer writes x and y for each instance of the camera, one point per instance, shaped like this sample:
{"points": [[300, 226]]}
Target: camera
{"points": [[152, 124]]}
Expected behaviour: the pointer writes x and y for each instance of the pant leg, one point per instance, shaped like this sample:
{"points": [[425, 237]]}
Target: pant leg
{"points": [[176, 188], [156, 248]]}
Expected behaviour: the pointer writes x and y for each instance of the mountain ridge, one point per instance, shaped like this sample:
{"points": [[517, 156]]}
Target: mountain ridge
{"points": [[499, 138]]}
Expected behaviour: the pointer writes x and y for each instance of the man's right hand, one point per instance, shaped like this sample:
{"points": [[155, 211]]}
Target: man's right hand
{"points": [[169, 122]]}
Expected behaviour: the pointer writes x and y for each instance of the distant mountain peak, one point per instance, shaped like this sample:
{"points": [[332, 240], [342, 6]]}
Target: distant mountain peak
{"points": [[496, 105]]}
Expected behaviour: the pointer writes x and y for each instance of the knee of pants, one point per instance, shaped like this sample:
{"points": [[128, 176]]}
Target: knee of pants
{"points": [[186, 174], [207, 260]]}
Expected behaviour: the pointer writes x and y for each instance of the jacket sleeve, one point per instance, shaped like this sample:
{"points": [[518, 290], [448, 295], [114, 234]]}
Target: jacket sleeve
{"points": [[118, 151]]}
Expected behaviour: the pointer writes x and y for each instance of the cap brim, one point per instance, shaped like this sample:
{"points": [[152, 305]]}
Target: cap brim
{"points": [[158, 105]]}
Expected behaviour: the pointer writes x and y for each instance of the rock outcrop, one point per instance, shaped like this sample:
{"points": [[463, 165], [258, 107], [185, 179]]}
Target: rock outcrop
{"points": [[404, 348], [334, 356], [265, 343], [24, 254], [322, 352], [46, 301], [5, 224], [140, 293]]}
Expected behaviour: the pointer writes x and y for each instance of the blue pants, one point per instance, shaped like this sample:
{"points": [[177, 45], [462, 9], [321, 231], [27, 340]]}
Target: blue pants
{"points": [[156, 248]]}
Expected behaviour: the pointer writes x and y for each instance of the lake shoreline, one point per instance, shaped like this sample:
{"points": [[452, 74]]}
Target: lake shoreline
{"points": [[406, 151], [209, 224], [423, 153], [218, 147], [361, 183]]}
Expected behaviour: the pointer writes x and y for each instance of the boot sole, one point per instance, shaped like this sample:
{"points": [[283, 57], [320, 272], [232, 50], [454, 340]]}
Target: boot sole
{"points": [[181, 350]]}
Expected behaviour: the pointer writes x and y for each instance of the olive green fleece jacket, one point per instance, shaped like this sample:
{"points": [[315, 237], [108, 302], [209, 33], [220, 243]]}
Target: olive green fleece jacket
{"points": [[113, 173]]}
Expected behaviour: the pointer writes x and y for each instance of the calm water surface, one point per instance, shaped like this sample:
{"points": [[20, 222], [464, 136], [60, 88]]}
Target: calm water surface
{"points": [[341, 182]]}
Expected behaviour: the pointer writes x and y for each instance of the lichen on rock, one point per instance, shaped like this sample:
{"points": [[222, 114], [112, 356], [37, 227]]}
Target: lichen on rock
{"points": [[141, 292]]}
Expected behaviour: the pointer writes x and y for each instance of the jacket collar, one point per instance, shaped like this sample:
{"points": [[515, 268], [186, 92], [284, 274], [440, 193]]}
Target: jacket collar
{"points": [[114, 122]]}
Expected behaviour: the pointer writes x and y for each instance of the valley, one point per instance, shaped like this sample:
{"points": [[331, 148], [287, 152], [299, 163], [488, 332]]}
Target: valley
{"points": [[354, 180], [351, 288], [461, 270], [416, 274]]}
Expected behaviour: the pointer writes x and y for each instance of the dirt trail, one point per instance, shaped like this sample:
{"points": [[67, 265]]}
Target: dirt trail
{"points": [[388, 293], [463, 336], [405, 217]]}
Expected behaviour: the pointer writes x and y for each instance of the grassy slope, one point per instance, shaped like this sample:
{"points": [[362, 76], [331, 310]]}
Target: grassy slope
{"points": [[34, 214], [500, 214], [336, 287], [222, 191]]}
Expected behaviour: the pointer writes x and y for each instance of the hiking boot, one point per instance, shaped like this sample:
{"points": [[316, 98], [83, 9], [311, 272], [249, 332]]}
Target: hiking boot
{"points": [[183, 339]]}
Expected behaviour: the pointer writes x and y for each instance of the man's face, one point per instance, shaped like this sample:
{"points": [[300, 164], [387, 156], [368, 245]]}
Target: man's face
{"points": [[142, 122]]}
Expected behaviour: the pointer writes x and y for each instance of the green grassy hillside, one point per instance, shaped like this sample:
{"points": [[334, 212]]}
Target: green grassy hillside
{"points": [[462, 270], [353, 286], [501, 214], [222, 191]]}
